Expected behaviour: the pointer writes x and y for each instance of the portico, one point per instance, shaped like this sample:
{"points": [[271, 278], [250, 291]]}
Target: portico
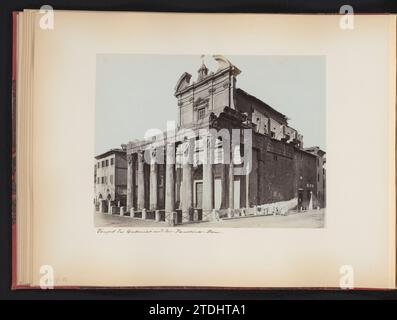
{"points": [[187, 174]]}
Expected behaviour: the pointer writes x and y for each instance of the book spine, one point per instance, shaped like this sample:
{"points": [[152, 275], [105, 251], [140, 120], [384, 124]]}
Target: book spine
{"points": [[13, 148]]}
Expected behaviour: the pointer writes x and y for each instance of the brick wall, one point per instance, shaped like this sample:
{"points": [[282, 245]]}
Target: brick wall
{"points": [[279, 170]]}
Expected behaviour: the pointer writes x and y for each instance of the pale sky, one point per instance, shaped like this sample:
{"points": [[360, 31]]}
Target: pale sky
{"points": [[136, 92]]}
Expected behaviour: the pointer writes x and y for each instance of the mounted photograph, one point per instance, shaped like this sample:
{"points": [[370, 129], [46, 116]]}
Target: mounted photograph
{"points": [[142, 137]]}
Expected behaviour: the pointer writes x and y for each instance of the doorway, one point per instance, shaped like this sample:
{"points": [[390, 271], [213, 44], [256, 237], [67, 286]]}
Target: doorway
{"points": [[236, 194], [198, 194], [300, 198]]}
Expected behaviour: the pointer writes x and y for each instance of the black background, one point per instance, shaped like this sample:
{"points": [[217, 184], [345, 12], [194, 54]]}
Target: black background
{"points": [[6, 8]]}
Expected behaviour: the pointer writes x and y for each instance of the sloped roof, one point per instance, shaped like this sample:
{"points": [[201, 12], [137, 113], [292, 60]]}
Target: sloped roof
{"points": [[263, 104], [109, 152]]}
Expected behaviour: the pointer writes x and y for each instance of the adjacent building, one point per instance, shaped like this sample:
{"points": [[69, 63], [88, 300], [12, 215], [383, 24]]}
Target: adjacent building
{"points": [[320, 181], [111, 177]]}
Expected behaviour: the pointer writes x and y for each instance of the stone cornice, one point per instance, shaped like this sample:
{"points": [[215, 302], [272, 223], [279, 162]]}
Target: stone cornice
{"points": [[210, 77]]}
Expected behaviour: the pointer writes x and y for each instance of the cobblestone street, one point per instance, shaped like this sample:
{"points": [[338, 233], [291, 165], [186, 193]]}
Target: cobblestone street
{"points": [[307, 219]]}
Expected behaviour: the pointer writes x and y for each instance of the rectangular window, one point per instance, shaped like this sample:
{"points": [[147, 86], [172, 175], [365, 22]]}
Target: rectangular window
{"points": [[112, 161], [103, 163], [107, 163], [103, 180], [99, 164], [201, 113], [111, 179], [237, 155]]}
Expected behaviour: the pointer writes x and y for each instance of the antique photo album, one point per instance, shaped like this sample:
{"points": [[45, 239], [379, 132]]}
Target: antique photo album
{"points": [[204, 150]]}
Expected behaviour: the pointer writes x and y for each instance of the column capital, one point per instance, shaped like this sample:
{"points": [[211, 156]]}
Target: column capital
{"points": [[130, 158]]}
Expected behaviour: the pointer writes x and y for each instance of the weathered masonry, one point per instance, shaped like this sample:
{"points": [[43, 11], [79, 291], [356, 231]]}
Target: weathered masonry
{"points": [[162, 185]]}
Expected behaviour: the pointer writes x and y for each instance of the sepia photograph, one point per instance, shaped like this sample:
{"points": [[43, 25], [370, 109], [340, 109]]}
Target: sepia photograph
{"points": [[210, 141]]}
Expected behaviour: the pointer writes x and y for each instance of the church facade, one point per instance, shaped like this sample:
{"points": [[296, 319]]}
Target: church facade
{"points": [[229, 155]]}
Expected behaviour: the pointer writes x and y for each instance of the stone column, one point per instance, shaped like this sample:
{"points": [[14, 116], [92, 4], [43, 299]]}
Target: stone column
{"points": [[208, 182], [187, 194], [141, 182], [170, 184], [246, 178], [231, 188], [153, 186], [225, 187], [247, 189], [187, 181], [130, 181]]}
